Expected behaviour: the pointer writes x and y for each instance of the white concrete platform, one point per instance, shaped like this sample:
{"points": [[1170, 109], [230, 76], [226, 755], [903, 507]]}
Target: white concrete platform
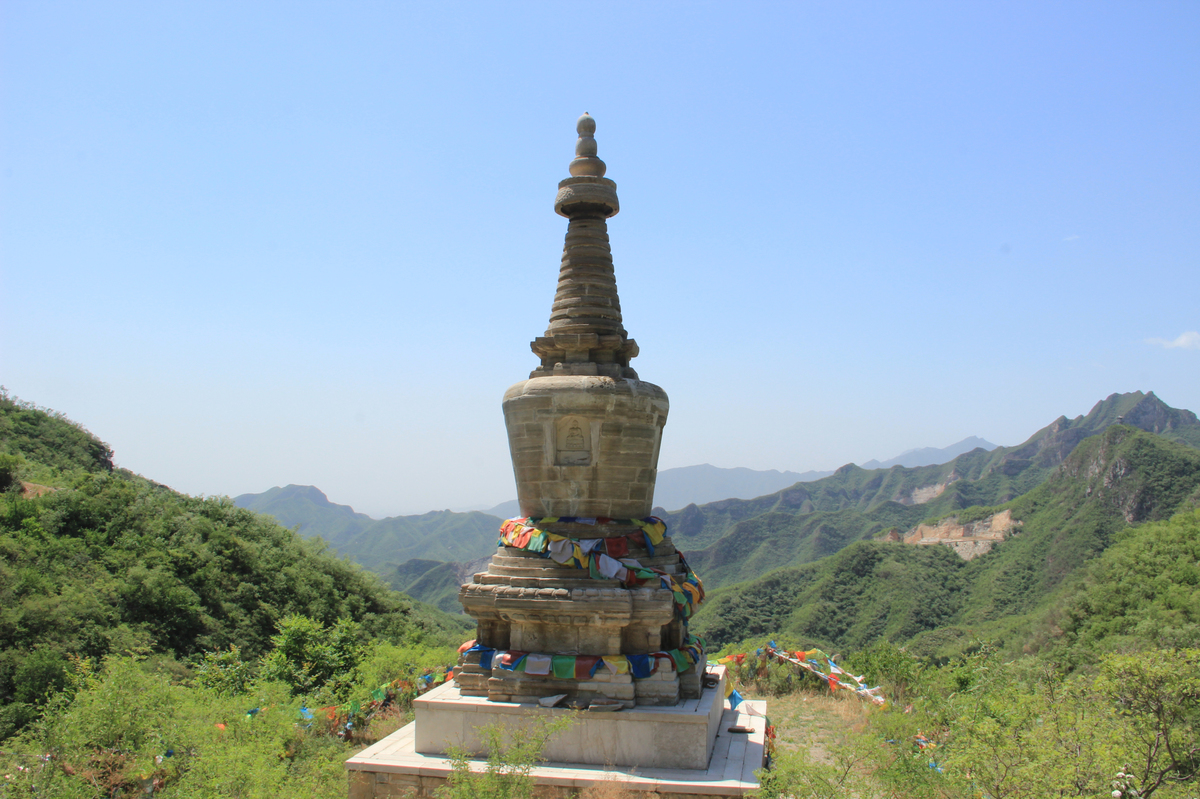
{"points": [[392, 767], [677, 736]]}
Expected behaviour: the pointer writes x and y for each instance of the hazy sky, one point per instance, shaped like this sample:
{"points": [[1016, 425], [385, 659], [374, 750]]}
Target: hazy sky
{"points": [[252, 244]]}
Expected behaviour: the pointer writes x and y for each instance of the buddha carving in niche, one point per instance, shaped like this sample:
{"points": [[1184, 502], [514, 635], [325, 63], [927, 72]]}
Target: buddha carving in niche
{"points": [[574, 442], [575, 437]]}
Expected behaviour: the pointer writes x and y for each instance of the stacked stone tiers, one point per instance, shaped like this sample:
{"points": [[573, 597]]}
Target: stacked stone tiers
{"points": [[528, 603]]}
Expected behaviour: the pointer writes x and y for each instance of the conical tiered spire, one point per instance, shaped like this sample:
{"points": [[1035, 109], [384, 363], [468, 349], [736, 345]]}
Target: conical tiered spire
{"points": [[585, 336]]}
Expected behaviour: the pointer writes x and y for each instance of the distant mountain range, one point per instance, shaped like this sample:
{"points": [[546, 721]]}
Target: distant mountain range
{"points": [[928, 456], [696, 485], [734, 539]]}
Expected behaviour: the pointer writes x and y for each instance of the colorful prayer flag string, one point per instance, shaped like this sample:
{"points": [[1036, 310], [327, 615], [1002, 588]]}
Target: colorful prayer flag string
{"points": [[816, 662], [606, 558]]}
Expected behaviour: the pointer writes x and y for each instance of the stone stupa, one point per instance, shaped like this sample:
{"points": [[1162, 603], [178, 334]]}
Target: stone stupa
{"points": [[584, 435], [582, 613]]}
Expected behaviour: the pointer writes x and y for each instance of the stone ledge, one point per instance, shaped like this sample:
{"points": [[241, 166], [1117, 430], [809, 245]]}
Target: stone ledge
{"points": [[674, 734], [392, 767]]}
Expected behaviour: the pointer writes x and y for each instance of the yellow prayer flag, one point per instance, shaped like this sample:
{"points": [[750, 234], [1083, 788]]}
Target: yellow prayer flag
{"points": [[619, 662]]}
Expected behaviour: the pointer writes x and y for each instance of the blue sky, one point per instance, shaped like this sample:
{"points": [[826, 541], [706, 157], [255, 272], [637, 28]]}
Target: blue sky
{"points": [[252, 244]]}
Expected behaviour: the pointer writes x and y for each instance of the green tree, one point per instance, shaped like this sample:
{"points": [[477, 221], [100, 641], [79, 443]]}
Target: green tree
{"points": [[1158, 694], [311, 657]]}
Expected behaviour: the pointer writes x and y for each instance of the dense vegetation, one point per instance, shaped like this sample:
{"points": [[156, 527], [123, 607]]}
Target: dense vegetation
{"points": [[984, 725], [108, 563], [876, 589], [736, 540]]}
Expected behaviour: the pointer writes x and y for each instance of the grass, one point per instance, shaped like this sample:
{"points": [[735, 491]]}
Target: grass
{"points": [[817, 723]]}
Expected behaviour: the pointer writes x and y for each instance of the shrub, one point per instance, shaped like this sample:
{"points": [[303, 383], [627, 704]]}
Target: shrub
{"points": [[511, 755]]}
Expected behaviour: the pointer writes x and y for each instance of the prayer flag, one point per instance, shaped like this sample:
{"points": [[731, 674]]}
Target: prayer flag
{"points": [[616, 547], [585, 666], [563, 666], [537, 664], [640, 665]]}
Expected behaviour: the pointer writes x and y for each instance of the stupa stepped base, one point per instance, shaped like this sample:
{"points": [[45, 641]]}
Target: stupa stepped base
{"points": [[680, 735], [506, 686], [394, 767], [663, 687]]}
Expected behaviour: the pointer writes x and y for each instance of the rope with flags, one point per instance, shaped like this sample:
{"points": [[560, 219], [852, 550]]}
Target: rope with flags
{"points": [[816, 662]]}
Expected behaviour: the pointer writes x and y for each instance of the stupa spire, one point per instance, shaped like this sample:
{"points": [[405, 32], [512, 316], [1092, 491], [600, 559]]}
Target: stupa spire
{"points": [[585, 335]]}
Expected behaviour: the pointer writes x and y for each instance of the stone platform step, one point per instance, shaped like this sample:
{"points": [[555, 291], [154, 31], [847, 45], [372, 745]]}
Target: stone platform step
{"points": [[483, 578], [393, 767], [559, 573], [667, 563]]}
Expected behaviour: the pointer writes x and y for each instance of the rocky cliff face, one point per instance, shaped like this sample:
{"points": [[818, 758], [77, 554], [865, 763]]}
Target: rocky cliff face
{"points": [[968, 540], [1127, 474]]}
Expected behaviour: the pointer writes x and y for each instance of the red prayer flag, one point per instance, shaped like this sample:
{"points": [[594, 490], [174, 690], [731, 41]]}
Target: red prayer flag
{"points": [[617, 547], [585, 666]]}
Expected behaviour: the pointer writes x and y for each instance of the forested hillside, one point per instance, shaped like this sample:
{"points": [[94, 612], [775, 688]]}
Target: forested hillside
{"points": [[737, 540], [927, 594], [378, 544], [97, 561]]}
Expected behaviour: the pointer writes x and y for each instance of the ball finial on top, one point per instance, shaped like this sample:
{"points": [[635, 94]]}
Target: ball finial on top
{"points": [[586, 162]]}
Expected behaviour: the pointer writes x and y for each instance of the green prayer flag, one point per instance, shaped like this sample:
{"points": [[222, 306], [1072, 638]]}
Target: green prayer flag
{"points": [[563, 666]]}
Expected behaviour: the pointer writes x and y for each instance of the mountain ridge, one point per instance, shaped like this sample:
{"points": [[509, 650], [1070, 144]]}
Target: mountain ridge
{"points": [[928, 595], [931, 456], [436, 535], [735, 540]]}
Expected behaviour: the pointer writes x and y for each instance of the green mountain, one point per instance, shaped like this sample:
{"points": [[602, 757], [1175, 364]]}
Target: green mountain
{"points": [[307, 508], [733, 540], [737, 540], [434, 582], [877, 589], [380, 544], [109, 562], [48, 438]]}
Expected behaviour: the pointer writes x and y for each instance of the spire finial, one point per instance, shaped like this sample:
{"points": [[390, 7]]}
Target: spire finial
{"points": [[585, 335], [586, 162]]}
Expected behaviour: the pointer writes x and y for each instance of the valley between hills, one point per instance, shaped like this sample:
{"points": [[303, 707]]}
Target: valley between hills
{"points": [[733, 541]]}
